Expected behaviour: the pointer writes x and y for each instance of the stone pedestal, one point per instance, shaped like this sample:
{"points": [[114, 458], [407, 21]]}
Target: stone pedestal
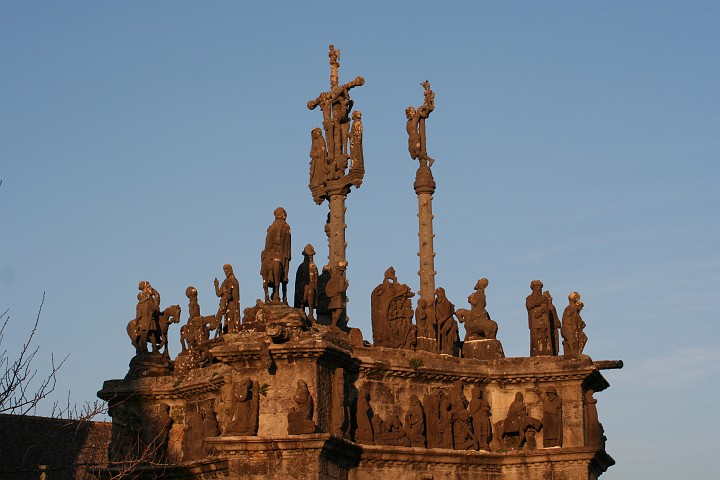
{"points": [[337, 372], [486, 349]]}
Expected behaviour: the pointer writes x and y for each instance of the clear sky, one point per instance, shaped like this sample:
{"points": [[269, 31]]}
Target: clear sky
{"points": [[575, 142]]}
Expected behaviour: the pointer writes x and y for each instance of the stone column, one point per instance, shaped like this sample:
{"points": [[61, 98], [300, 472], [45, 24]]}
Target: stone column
{"points": [[336, 227], [424, 188]]}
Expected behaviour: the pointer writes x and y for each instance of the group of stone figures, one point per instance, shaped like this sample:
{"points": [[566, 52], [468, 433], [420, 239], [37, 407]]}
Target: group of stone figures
{"points": [[447, 420], [324, 292], [436, 329], [544, 323], [341, 146]]}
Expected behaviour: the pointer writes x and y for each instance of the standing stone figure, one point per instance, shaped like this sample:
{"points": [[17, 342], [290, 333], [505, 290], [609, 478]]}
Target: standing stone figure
{"points": [[225, 405], [210, 426], [275, 258], [391, 313], [415, 422], [448, 336], [553, 325], [416, 127], [427, 333], [335, 291], [574, 338], [444, 423], [247, 408], [193, 433], [480, 413], [552, 419], [229, 294], [338, 415], [365, 414], [357, 167], [318, 164], [300, 417], [306, 282], [538, 320]]}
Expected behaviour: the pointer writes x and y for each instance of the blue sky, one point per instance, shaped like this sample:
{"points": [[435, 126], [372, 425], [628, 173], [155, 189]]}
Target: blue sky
{"points": [[576, 142]]}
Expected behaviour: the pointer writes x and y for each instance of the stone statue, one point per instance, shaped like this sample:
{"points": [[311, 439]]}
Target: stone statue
{"points": [[478, 324], [593, 428], [480, 412], [300, 417], [392, 313], [341, 143], [574, 338], [335, 290], [438, 420], [150, 324], [225, 405], [275, 258], [415, 422], [306, 282], [463, 436], [518, 422], [197, 329], [357, 167], [444, 423], [229, 293], [237, 407], [448, 336], [365, 414], [210, 426], [553, 325], [480, 330], [390, 433], [247, 408], [193, 434], [338, 416], [416, 127], [427, 333], [552, 419], [318, 165], [538, 320]]}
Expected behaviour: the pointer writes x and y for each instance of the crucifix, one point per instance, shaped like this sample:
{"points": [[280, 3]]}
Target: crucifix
{"points": [[336, 156]]}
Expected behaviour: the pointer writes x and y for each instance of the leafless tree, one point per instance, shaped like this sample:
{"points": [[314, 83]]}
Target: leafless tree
{"points": [[20, 387]]}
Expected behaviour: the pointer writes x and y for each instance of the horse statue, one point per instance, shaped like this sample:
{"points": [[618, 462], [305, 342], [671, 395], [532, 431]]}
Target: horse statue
{"points": [[157, 334], [477, 327], [272, 273]]}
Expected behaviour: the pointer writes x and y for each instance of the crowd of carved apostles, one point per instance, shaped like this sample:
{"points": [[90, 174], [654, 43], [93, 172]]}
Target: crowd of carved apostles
{"points": [[444, 418]]}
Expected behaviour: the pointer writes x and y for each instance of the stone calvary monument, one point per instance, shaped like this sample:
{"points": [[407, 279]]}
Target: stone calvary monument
{"points": [[279, 391]]}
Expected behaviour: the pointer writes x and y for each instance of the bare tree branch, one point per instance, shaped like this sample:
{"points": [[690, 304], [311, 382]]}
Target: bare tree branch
{"points": [[20, 393]]}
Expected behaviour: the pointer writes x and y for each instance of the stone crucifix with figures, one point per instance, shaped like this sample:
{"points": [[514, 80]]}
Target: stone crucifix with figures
{"points": [[336, 155]]}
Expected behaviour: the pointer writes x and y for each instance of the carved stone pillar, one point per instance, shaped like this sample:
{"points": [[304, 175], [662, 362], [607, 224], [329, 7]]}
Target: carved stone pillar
{"points": [[424, 188], [336, 237]]}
